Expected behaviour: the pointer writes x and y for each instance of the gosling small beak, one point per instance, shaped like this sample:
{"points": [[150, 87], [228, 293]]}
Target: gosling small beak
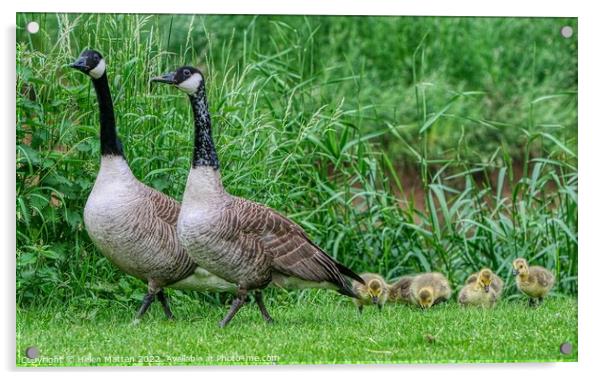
{"points": [[169, 78], [374, 300], [80, 64], [486, 288], [514, 272]]}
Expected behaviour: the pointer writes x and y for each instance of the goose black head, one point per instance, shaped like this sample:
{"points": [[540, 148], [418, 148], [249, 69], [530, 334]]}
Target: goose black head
{"points": [[186, 78], [90, 62]]}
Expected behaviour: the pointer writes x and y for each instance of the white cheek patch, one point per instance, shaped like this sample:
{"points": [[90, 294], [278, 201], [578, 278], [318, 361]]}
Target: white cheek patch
{"points": [[191, 85], [98, 70]]}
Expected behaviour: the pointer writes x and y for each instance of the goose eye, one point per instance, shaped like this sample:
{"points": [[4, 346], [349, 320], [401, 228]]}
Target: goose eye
{"points": [[187, 72]]}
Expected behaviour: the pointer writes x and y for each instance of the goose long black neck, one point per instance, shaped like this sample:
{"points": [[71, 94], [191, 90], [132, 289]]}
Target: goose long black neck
{"points": [[204, 148], [109, 143]]}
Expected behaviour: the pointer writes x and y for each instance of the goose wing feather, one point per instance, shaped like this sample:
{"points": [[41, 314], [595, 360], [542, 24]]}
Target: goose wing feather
{"points": [[161, 218], [291, 251]]}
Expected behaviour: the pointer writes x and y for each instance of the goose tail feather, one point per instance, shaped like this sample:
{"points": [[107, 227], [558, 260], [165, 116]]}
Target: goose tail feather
{"points": [[349, 273], [345, 288]]}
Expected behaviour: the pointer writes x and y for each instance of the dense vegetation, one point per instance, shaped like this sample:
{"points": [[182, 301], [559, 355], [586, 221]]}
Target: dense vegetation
{"points": [[399, 144]]}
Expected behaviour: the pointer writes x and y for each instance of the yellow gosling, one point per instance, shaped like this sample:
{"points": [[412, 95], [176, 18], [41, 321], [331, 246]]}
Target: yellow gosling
{"points": [[482, 289], [428, 289], [399, 292], [534, 281], [375, 292]]}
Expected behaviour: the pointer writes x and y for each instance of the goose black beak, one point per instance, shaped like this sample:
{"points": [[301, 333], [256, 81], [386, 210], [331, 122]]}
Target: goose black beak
{"points": [[514, 272], [169, 78], [80, 64], [374, 300], [486, 288]]}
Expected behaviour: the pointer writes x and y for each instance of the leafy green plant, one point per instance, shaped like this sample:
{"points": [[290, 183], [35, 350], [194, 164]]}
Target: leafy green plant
{"points": [[395, 150]]}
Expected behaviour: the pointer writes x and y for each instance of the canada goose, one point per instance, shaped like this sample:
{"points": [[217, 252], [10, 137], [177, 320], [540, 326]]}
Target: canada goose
{"points": [[400, 290], [481, 289], [373, 292], [428, 289], [133, 225], [534, 281], [241, 241]]}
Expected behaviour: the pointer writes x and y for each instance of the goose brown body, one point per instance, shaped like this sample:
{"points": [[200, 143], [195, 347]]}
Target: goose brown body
{"points": [[241, 241], [133, 225], [248, 243]]}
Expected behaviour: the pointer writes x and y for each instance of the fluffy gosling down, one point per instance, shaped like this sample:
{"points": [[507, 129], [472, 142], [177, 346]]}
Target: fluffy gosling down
{"points": [[534, 281], [399, 292], [428, 289], [373, 292], [482, 289]]}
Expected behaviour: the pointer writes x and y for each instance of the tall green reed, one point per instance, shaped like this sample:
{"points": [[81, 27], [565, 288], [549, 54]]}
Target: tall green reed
{"points": [[298, 128]]}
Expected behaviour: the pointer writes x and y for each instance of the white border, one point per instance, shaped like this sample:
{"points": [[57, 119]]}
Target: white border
{"points": [[590, 124], [316, 7]]}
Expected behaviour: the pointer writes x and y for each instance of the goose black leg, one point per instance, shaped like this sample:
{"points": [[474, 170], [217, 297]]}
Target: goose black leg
{"points": [[238, 302], [532, 302], [360, 308], [264, 312], [164, 302], [380, 307], [146, 302]]}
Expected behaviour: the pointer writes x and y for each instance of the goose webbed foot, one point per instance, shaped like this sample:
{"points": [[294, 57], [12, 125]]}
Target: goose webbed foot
{"points": [[165, 303], [264, 312], [238, 302], [146, 302]]}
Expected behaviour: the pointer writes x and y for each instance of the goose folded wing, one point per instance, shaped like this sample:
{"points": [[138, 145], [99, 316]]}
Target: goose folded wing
{"points": [[292, 252]]}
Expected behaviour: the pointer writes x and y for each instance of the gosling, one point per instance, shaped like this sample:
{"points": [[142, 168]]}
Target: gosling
{"points": [[374, 292], [481, 289], [399, 292], [534, 281], [428, 289]]}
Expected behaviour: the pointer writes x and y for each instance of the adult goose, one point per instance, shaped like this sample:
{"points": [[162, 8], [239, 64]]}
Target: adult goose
{"points": [[133, 225], [241, 241]]}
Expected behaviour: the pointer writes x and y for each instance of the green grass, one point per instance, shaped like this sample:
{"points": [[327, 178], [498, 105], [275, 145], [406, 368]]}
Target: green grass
{"points": [[327, 329]]}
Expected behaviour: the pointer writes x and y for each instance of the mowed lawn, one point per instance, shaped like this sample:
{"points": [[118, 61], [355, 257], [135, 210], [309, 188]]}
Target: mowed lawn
{"points": [[327, 331]]}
